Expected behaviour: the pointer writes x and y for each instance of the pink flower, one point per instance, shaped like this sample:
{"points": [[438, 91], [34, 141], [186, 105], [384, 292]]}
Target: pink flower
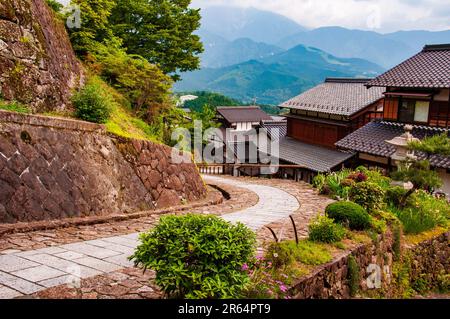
{"points": [[283, 288], [244, 267]]}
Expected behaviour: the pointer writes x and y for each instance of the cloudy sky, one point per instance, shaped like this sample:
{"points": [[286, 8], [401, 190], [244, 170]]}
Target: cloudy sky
{"points": [[376, 15]]}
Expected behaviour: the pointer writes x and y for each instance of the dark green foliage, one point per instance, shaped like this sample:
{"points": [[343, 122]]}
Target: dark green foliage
{"points": [[93, 103], [324, 230], [353, 275], [350, 214], [367, 194], [161, 31], [55, 5], [394, 195], [436, 144], [208, 98], [419, 174], [197, 256]]}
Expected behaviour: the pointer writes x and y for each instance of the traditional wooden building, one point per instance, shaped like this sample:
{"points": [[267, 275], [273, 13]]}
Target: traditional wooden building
{"points": [[418, 93], [330, 111]]}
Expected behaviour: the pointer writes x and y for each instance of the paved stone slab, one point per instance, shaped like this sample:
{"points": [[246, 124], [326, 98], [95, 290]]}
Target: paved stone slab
{"points": [[274, 204], [38, 273], [122, 241], [9, 251], [97, 264], [63, 280], [69, 255], [121, 260], [8, 293], [52, 266], [18, 284], [9, 263], [90, 250]]}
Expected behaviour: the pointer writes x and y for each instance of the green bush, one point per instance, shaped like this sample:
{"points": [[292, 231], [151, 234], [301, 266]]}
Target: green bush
{"points": [[197, 256], [93, 103], [323, 229], [423, 212], [367, 194], [394, 195], [350, 214], [307, 252], [353, 275]]}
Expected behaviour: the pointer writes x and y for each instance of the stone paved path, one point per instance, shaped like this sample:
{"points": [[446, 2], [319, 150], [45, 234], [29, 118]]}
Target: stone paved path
{"points": [[274, 204], [24, 273]]}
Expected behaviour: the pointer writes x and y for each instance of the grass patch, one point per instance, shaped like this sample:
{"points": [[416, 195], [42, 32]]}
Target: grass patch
{"points": [[307, 252], [415, 239], [14, 106]]}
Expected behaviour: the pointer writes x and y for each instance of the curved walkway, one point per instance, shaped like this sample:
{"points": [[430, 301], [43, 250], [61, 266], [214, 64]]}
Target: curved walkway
{"points": [[24, 273], [274, 204]]}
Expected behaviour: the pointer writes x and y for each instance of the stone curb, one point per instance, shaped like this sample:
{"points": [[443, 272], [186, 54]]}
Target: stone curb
{"points": [[49, 121], [214, 197]]}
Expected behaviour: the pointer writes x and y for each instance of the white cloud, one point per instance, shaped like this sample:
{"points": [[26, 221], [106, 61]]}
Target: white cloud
{"points": [[377, 15]]}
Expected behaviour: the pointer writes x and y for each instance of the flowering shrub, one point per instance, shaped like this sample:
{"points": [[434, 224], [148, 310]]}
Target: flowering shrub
{"points": [[267, 282], [197, 256], [339, 184]]}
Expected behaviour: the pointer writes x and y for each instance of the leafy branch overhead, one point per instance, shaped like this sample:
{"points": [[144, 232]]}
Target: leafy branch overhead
{"points": [[161, 31]]}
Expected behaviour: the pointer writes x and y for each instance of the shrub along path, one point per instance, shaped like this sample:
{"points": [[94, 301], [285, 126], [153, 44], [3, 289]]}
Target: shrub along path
{"points": [[101, 262]]}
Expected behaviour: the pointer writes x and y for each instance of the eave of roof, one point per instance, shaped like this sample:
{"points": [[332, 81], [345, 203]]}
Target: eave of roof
{"points": [[316, 158], [429, 68], [337, 96], [371, 139]]}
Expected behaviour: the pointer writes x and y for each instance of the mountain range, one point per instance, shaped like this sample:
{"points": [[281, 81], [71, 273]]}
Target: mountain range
{"points": [[278, 77], [247, 52]]}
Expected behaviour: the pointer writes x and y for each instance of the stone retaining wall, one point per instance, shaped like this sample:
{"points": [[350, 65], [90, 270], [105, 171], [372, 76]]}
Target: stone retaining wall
{"points": [[37, 64], [52, 168], [429, 259]]}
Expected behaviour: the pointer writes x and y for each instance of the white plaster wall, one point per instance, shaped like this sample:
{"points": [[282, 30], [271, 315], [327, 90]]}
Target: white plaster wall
{"points": [[446, 181]]}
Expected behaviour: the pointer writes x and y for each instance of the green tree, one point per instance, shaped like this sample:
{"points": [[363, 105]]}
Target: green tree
{"points": [[419, 173], [161, 31], [95, 26], [208, 98], [144, 84]]}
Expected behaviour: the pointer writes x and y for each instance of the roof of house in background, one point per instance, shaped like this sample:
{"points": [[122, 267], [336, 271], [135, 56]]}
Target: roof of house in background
{"points": [[371, 139], [236, 114], [430, 68], [338, 96], [316, 158], [275, 129]]}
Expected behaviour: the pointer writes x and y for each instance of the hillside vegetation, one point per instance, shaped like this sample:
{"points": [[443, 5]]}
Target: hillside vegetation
{"points": [[128, 84]]}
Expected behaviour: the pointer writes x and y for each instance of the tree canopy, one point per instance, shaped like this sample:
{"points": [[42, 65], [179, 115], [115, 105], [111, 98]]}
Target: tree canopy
{"points": [[162, 31]]}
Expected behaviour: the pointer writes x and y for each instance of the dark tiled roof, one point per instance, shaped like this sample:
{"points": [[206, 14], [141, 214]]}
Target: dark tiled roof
{"points": [[427, 69], [313, 157], [234, 114], [337, 96], [371, 139], [275, 129]]}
